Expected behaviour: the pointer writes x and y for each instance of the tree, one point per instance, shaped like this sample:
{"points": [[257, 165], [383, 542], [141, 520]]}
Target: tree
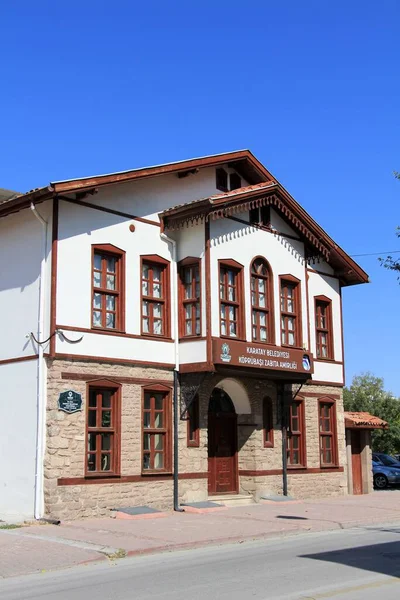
{"points": [[389, 262], [367, 394]]}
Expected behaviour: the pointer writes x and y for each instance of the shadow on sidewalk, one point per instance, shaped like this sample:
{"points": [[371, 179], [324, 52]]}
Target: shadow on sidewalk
{"points": [[379, 558]]}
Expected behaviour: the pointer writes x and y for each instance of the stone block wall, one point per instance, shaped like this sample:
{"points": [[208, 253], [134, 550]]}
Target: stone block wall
{"points": [[66, 452]]}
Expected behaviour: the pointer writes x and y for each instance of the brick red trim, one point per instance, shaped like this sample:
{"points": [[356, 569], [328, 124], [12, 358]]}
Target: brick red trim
{"points": [[195, 367], [108, 360], [332, 384], [9, 361], [230, 264], [90, 377], [119, 255], [126, 479], [319, 394], [207, 271], [291, 471], [186, 263], [114, 333], [298, 310], [152, 260]]}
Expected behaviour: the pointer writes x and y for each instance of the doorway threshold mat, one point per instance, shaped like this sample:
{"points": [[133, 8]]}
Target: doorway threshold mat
{"points": [[137, 512], [202, 507], [278, 500]]}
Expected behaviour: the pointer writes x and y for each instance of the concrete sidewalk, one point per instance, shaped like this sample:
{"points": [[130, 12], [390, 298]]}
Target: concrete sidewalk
{"points": [[38, 548]]}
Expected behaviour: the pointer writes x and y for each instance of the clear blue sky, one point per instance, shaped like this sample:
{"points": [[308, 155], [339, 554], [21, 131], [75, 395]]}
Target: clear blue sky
{"points": [[312, 88]]}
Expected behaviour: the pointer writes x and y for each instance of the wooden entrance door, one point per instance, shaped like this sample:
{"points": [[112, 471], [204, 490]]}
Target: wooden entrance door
{"points": [[222, 445], [356, 462]]}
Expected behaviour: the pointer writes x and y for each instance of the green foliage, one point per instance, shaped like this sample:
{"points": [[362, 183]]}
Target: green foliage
{"points": [[389, 262], [367, 394]]}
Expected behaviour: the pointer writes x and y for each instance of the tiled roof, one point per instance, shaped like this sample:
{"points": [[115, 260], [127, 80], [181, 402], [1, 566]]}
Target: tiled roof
{"points": [[222, 196], [363, 420], [6, 195]]}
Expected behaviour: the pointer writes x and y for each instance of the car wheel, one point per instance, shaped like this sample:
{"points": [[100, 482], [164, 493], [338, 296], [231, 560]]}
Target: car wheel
{"points": [[380, 481]]}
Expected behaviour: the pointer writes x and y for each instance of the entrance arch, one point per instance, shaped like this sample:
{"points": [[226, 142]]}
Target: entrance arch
{"points": [[222, 444]]}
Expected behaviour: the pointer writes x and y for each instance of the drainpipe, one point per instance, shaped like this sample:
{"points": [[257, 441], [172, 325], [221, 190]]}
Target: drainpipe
{"points": [[41, 388], [176, 368]]}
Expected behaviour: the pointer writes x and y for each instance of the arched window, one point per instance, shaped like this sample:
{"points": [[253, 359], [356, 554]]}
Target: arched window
{"points": [[261, 302]]}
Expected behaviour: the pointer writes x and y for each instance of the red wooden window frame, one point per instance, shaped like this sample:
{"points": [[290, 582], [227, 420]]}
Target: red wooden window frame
{"points": [[323, 328], [152, 428], [225, 303], [193, 418], [106, 252], [97, 429], [268, 422], [298, 434], [327, 432], [260, 216], [152, 262], [289, 282], [256, 308], [191, 267]]}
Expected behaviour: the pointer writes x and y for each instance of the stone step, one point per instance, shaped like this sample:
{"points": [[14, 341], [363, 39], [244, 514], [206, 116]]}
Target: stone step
{"points": [[232, 499]]}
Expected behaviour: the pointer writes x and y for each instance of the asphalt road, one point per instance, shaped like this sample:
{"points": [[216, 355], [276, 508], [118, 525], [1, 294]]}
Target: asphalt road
{"points": [[357, 564]]}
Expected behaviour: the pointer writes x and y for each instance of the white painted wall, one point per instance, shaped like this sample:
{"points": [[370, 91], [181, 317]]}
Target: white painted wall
{"points": [[243, 243], [18, 405], [324, 285], [21, 254], [193, 352], [81, 227]]}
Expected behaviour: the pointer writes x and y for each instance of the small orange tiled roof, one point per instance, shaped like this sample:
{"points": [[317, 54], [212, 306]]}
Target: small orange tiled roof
{"points": [[363, 420]]}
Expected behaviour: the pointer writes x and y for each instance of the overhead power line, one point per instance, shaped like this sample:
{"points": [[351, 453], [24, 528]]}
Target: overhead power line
{"points": [[377, 253]]}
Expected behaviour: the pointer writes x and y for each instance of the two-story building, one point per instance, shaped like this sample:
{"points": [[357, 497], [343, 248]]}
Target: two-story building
{"points": [[171, 334]]}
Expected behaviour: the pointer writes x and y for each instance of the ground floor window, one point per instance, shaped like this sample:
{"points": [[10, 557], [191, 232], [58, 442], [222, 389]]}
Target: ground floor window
{"points": [[327, 433], [156, 430], [296, 434], [102, 429], [193, 431]]}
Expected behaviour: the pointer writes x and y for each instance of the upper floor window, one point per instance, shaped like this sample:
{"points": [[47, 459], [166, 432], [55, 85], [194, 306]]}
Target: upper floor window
{"points": [[221, 180], [268, 423], [107, 287], [156, 430], [231, 303], [296, 437], [261, 301], [327, 433], [190, 303], [155, 296], [235, 181], [102, 429], [323, 327], [290, 312], [260, 216]]}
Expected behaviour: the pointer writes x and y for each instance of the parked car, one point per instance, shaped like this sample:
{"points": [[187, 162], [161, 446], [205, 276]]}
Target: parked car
{"points": [[386, 460], [384, 476], [396, 456]]}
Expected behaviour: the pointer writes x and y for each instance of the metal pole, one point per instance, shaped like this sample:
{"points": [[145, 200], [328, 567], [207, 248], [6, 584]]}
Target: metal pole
{"points": [[176, 447], [281, 394]]}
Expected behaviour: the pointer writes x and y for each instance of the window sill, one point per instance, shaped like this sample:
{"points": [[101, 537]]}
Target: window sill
{"points": [[327, 360], [108, 330], [269, 445], [193, 444], [263, 343], [297, 468], [159, 473], [102, 475], [232, 339], [191, 338], [293, 347], [162, 338]]}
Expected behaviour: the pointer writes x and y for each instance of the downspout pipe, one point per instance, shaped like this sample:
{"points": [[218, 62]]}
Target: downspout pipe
{"points": [[174, 298], [41, 387]]}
